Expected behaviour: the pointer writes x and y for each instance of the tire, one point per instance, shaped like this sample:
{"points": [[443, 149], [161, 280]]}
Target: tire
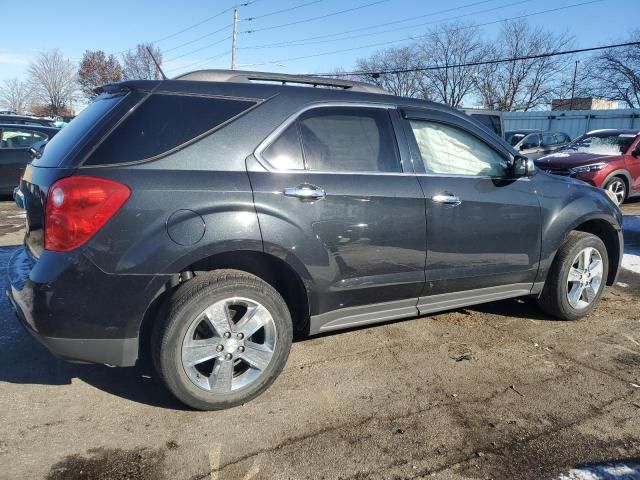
{"points": [[618, 187], [555, 297], [187, 334]]}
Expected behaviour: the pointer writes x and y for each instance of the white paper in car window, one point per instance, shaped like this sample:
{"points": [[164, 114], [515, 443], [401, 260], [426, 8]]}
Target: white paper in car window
{"points": [[447, 150]]}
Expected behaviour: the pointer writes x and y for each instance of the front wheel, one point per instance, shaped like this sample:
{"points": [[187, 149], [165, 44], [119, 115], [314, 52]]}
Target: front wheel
{"points": [[577, 277], [618, 188], [225, 338]]}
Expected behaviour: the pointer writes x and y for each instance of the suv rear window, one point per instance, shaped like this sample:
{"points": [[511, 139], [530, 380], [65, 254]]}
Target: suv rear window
{"points": [[69, 138], [163, 123]]}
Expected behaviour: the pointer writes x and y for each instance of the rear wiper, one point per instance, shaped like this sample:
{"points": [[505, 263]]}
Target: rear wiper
{"points": [[37, 148]]}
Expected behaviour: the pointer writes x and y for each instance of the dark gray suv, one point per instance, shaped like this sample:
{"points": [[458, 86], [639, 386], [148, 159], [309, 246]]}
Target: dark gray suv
{"points": [[210, 217]]}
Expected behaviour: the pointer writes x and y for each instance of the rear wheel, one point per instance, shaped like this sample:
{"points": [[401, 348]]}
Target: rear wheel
{"points": [[618, 188], [225, 338], [577, 277]]}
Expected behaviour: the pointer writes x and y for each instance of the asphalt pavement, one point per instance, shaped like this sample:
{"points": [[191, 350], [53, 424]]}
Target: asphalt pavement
{"points": [[495, 391]]}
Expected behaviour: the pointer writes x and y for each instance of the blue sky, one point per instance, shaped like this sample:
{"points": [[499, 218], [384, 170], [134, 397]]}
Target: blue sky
{"points": [[73, 26]]}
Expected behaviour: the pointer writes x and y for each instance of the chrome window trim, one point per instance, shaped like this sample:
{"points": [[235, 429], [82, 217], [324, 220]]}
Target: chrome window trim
{"points": [[273, 136]]}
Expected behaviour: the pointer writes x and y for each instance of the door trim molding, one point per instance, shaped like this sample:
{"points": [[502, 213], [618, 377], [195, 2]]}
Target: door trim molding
{"points": [[413, 307], [447, 301], [362, 315]]}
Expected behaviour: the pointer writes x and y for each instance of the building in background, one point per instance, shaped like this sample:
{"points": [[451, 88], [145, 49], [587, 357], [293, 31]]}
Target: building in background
{"points": [[583, 103]]}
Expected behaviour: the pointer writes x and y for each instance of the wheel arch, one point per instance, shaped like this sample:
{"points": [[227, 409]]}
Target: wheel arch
{"points": [[606, 232], [293, 286], [623, 174]]}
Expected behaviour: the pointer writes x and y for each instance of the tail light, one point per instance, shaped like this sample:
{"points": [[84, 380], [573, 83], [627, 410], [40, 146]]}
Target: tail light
{"points": [[77, 207]]}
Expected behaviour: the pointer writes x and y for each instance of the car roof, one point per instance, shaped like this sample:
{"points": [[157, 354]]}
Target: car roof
{"points": [[264, 85], [614, 131], [22, 126], [524, 130]]}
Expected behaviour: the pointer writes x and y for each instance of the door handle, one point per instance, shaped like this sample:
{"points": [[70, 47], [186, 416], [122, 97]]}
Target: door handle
{"points": [[305, 192], [447, 199]]}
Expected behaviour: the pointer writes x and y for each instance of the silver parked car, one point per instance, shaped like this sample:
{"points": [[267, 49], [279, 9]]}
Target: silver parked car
{"points": [[536, 143]]}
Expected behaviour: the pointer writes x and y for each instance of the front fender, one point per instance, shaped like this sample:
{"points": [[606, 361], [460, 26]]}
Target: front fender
{"points": [[565, 206]]}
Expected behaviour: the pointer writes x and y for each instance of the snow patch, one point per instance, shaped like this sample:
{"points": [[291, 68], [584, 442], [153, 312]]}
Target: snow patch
{"points": [[611, 471]]}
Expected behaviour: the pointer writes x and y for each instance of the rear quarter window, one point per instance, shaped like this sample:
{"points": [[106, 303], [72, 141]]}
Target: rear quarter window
{"points": [[164, 123]]}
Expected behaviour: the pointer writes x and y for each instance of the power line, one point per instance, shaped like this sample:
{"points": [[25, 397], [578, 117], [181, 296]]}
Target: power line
{"points": [[191, 27], [227, 27], [295, 7], [320, 17], [284, 60], [475, 64], [200, 49], [200, 62], [378, 32], [385, 24]]}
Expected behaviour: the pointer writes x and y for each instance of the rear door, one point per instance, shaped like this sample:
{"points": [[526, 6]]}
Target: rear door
{"points": [[483, 225], [335, 192]]}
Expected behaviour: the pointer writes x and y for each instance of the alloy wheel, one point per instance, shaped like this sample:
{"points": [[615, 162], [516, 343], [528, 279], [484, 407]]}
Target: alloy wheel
{"points": [[229, 345], [585, 278], [619, 189]]}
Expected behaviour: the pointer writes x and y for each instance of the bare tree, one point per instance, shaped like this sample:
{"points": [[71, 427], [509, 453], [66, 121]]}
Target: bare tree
{"points": [[529, 82], [97, 69], [138, 64], [15, 95], [443, 50], [53, 81], [398, 82], [615, 74]]}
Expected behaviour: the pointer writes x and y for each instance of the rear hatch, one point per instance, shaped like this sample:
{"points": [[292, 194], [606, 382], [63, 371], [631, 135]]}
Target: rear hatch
{"points": [[65, 152]]}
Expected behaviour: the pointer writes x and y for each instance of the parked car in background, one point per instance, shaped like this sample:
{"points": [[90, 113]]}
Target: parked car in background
{"points": [[608, 159], [206, 218], [492, 120], [536, 143], [26, 120], [15, 141]]}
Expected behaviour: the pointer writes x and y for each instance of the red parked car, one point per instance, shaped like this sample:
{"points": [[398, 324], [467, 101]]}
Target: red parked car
{"points": [[608, 159]]}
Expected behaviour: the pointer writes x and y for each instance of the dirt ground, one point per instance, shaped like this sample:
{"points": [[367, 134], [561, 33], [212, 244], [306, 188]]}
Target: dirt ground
{"points": [[496, 391]]}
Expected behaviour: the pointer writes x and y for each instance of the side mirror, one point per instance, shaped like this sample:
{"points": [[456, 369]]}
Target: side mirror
{"points": [[523, 167], [636, 151]]}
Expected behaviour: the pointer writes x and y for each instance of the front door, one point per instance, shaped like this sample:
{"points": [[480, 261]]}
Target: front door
{"points": [[483, 225], [345, 210]]}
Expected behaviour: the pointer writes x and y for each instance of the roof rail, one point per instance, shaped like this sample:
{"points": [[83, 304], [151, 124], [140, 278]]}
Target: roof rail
{"points": [[239, 76]]}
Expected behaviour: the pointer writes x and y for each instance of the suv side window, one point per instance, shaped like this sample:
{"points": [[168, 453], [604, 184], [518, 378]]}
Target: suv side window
{"points": [[349, 139], [20, 138], [561, 138], [447, 150], [548, 139], [531, 141], [286, 152]]}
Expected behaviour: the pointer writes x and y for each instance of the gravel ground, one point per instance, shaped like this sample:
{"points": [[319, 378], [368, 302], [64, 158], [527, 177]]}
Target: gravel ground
{"points": [[495, 391]]}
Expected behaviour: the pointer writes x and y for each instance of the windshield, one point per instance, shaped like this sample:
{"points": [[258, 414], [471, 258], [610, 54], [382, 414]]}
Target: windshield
{"points": [[71, 135], [602, 144], [514, 138]]}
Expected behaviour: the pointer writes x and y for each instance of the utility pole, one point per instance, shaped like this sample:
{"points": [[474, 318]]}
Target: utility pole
{"points": [[573, 86], [234, 39]]}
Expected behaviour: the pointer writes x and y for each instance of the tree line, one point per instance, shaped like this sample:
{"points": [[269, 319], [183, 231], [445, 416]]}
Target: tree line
{"points": [[517, 85], [54, 82]]}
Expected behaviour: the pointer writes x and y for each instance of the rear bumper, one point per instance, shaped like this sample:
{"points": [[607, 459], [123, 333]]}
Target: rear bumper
{"points": [[121, 352], [76, 310]]}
